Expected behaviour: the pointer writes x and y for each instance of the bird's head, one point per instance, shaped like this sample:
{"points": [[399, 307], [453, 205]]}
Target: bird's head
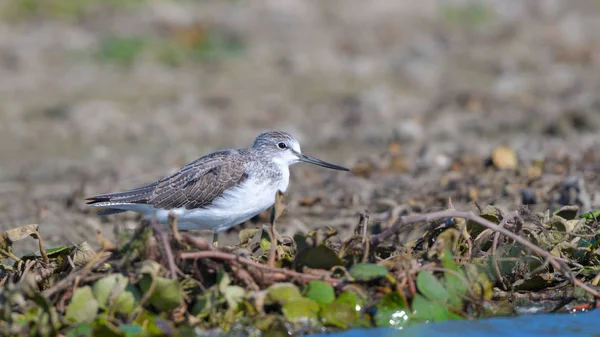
{"points": [[285, 150]]}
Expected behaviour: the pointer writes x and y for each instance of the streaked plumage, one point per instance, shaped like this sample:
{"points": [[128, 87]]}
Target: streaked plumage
{"points": [[219, 190]]}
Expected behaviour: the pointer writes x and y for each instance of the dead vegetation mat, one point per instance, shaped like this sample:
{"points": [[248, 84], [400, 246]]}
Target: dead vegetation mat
{"points": [[158, 281]]}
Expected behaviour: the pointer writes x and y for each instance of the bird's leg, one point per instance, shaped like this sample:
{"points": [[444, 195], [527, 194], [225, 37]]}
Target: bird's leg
{"points": [[276, 211], [215, 239]]}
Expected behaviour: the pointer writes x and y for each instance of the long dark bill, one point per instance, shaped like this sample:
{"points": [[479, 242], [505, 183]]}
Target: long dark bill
{"points": [[308, 159]]}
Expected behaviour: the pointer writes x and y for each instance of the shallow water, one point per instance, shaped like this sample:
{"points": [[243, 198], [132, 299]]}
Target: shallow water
{"points": [[572, 325]]}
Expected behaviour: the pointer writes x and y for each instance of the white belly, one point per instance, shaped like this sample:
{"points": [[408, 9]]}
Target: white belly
{"points": [[237, 205]]}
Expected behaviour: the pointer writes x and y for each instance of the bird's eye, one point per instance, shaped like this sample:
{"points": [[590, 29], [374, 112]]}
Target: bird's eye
{"points": [[282, 145]]}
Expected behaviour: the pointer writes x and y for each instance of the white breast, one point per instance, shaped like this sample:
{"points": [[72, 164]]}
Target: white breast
{"points": [[285, 181], [235, 206]]}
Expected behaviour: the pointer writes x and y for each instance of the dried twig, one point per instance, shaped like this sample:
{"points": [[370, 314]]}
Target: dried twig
{"points": [[41, 246], [197, 242], [9, 254], [173, 222], [28, 265], [64, 283], [272, 247], [362, 227], [162, 237], [243, 275], [503, 223], [104, 243], [362, 230], [276, 212], [215, 254]]}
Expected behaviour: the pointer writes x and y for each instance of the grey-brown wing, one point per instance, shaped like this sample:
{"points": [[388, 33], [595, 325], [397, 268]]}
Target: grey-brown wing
{"points": [[197, 184]]}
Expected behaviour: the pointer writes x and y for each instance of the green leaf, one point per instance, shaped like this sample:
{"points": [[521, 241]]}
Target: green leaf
{"points": [[448, 262], [367, 271], [131, 330], [50, 252], [320, 292], [81, 330], [300, 309], [121, 50], [320, 257], [265, 240], [391, 311], [301, 242], [339, 315], [150, 267], [265, 244], [204, 304], [127, 300], [533, 283], [431, 287], [153, 324], [83, 306], [426, 310], [246, 235], [234, 296], [167, 293], [283, 292], [455, 281], [102, 327], [352, 299], [593, 215], [481, 285], [114, 292], [562, 225], [490, 213], [224, 281]]}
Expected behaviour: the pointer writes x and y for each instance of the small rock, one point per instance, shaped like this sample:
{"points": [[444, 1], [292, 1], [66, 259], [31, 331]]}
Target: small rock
{"points": [[528, 196], [504, 158]]}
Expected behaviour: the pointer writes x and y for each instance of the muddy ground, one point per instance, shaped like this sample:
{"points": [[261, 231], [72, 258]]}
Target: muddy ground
{"points": [[101, 96]]}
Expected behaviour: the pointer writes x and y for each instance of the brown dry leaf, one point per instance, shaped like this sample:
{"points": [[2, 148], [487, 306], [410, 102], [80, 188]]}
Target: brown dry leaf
{"points": [[104, 243], [363, 168], [456, 166], [5, 248], [82, 254], [395, 147], [259, 300], [473, 193], [504, 158], [534, 172], [447, 240], [190, 35], [473, 103], [310, 201], [21, 232], [246, 235], [398, 164], [10, 236]]}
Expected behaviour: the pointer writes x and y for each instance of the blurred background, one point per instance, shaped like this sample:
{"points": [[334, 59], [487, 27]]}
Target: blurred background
{"points": [[482, 101]]}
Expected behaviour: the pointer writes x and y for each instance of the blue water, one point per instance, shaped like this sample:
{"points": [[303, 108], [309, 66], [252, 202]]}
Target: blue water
{"points": [[555, 325]]}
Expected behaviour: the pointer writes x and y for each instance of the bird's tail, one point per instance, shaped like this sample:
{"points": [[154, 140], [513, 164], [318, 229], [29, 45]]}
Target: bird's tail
{"points": [[122, 201]]}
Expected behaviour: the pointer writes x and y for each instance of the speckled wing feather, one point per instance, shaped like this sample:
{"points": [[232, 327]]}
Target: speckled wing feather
{"points": [[199, 183], [195, 185], [136, 195]]}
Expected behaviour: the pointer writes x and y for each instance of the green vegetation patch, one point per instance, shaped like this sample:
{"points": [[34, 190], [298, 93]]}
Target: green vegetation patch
{"points": [[144, 285]]}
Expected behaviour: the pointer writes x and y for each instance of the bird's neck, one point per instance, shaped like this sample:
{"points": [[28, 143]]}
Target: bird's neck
{"points": [[285, 178], [278, 170]]}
